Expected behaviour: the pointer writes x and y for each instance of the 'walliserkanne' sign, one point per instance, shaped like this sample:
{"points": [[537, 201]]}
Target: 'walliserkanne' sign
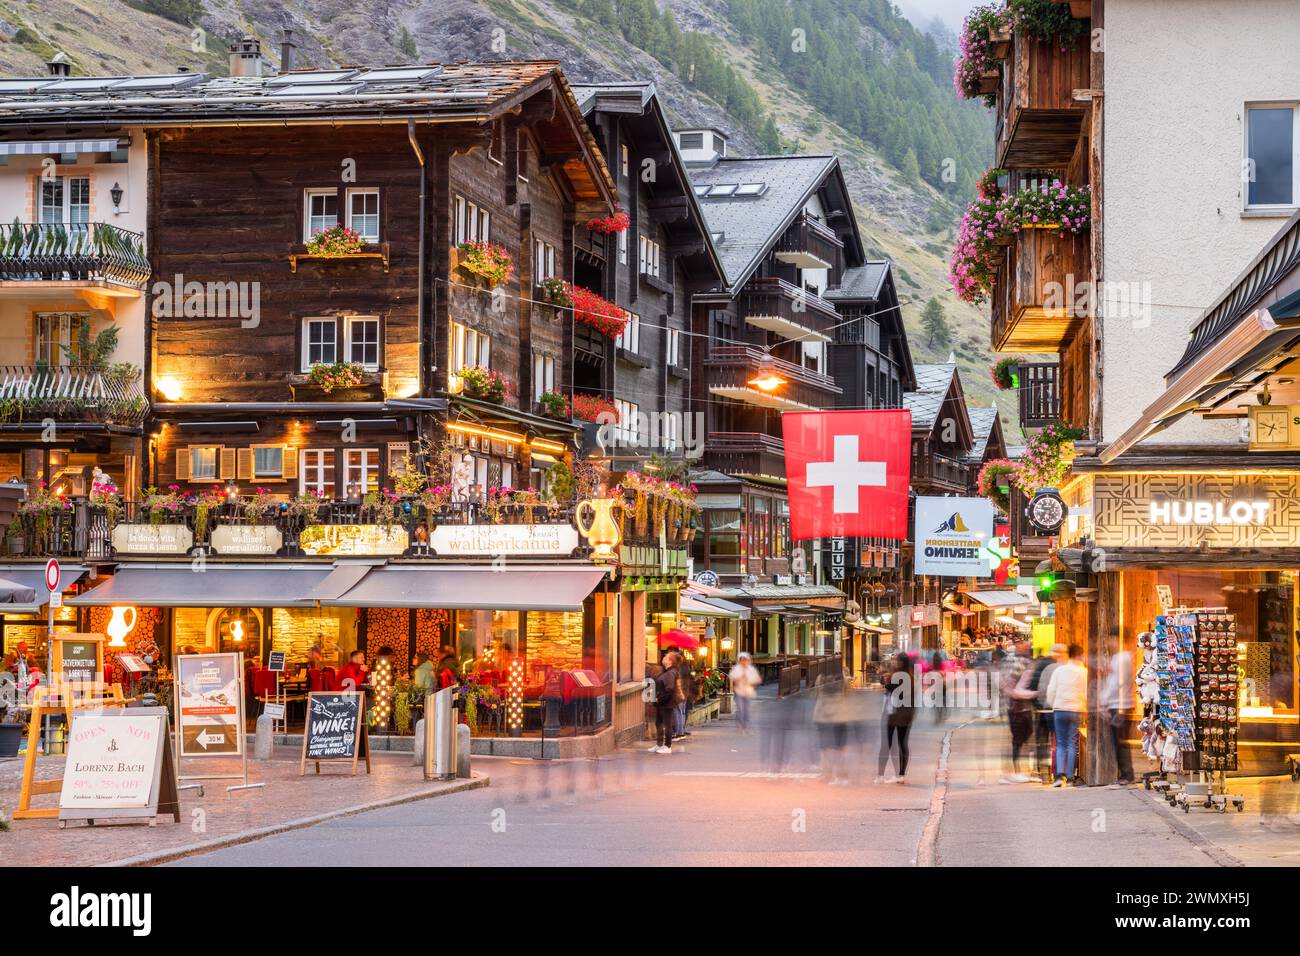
{"points": [[335, 729]]}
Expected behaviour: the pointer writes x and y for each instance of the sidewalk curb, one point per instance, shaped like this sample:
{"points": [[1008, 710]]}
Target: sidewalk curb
{"points": [[476, 782]]}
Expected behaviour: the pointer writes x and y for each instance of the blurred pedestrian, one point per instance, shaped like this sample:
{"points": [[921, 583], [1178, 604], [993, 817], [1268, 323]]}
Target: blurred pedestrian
{"points": [[1118, 702], [1019, 704], [666, 690], [941, 686], [686, 693], [1041, 676], [1067, 698], [745, 680], [896, 723], [831, 718]]}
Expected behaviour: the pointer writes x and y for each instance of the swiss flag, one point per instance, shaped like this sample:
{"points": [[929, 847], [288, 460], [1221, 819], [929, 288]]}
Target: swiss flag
{"points": [[848, 473]]}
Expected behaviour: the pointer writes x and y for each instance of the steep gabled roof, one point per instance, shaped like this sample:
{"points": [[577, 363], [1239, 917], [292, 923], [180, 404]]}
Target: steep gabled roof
{"points": [[746, 227], [622, 97], [986, 424], [863, 282], [937, 386]]}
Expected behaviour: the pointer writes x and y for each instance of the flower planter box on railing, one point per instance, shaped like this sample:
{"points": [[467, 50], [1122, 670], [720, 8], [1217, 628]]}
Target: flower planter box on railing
{"points": [[76, 252]]}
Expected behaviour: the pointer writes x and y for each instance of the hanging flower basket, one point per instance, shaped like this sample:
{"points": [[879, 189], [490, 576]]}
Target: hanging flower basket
{"points": [[995, 481], [609, 225], [597, 313], [1004, 373], [1047, 458]]}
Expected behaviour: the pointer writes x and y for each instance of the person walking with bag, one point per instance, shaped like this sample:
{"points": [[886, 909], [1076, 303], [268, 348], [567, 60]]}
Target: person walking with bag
{"points": [[1067, 698], [896, 721]]}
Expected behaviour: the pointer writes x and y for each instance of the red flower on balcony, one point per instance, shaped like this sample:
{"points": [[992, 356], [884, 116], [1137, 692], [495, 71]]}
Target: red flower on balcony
{"points": [[618, 222], [589, 408], [600, 314]]}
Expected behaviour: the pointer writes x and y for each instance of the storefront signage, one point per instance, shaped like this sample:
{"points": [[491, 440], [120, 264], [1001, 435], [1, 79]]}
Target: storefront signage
{"points": [[77, 658], [114, 762], [1192, 511], [507, 539], [334, 729], [369, 539], [275, 661], [951, 534], [246, 539], [210, 707], [152, 539]]}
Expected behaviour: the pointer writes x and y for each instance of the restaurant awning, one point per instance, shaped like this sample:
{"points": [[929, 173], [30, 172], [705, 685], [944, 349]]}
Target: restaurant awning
{"points": [[873, 628], [33, 577], [694, 606], [1014, 622], [208, 586], [340, 580], [999, 599], [473, 588]]}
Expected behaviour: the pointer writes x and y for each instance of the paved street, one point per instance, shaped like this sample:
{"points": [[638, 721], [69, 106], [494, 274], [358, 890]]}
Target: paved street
{"points": [[710, 802]]}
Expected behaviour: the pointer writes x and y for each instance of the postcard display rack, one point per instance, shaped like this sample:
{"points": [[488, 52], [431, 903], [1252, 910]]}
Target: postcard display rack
{"points": [[1196, 655]]}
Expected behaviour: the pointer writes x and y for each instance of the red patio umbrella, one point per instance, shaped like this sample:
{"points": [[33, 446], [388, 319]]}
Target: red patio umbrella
{"points": [[678, 638]]}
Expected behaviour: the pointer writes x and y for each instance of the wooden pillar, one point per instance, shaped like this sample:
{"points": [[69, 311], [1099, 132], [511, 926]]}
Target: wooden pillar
{"points": [[1101, 641]]}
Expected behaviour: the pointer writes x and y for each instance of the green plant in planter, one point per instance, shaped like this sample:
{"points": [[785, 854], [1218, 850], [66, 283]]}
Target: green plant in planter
{"points": [[555, 404], [556, 292], [561, 484], [256, 505], [1004, 373], [484, 383]]}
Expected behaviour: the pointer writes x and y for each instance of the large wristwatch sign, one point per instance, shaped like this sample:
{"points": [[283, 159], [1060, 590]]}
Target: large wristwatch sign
{"points": [[1188, 511]]}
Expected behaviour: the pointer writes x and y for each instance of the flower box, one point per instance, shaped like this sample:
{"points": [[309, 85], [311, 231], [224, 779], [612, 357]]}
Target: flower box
{"points": [[989, 82], [303, 389], [483, 263], [368, 251], [1000, 41]]}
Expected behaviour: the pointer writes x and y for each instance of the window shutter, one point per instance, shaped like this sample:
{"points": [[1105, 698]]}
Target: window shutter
{"points": [[183, 463], [290, 463], [398, 452], [244, 472], [227, 462]]}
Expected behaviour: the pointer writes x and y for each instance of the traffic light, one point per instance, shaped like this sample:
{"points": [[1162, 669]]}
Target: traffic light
{"points": [[1046, 584]]}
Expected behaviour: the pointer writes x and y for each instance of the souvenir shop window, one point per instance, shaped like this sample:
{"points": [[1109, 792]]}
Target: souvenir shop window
{"points": [[1260, 607]]}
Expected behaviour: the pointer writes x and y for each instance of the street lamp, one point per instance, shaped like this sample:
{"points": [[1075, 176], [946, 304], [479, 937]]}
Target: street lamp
{"points": [[766, 378]]}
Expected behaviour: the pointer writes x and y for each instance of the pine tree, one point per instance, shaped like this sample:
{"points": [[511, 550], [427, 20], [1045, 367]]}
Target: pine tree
{"points": [[406, 44], [935, 324]]}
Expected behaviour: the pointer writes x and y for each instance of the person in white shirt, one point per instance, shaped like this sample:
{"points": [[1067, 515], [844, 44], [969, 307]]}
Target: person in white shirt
{"points": [[1067, 698], [1117, 701], [745, 679]]}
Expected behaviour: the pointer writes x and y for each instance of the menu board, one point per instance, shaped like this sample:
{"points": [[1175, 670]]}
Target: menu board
{"points": [[209, 714], [275, 661], [335, 728]]}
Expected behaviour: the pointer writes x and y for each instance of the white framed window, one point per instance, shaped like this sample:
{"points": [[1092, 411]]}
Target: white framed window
{"points": [[205, 462], [674, 347], [648, 257], [543, 260], [360, 470], [630, 338], [467, 347], [268, 461], [317, 472], [1272, 168], [65, 199], [363, 213], [320, 211], [629, 428], [319, 342], [362, 340], [625, 159], [472, 221], [622, 247], [543, 375]]}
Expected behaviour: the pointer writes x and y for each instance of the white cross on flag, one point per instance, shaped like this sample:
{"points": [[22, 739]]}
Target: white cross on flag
{"points": [[848, 473]]}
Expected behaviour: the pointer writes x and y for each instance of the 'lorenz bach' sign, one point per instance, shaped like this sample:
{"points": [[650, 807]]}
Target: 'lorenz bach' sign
{"points": [[1188, 511]]}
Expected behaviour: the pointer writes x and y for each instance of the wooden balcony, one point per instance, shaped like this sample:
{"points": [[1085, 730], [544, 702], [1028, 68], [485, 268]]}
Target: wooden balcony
{"points": [[745, 453], [1034, 306], [1040, 394], [84, 253], [71, 393], [809, 244], [729, 370], [1038, 120], [788, 310], [939, 473]]}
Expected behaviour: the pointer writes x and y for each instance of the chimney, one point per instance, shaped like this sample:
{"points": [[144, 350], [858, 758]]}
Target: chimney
{"points": [[287, 48], [58, 65], [246, 57]]}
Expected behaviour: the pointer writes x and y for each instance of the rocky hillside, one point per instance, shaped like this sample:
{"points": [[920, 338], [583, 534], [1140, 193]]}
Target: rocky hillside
{"points": [[903, 216]]}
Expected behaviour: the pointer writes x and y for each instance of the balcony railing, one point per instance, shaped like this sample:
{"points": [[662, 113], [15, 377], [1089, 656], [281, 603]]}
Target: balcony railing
{"points": [[940, 470], [730, 368], [1035, 305], [76, 392], [745, 453], [1038, 120], [82, 252], [809, 244], [791, 311], [1040, 394]]}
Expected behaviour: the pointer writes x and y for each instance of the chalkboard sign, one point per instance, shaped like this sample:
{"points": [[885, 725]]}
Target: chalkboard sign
{"points": [[275, 661], [76, 658], [335, 729]]}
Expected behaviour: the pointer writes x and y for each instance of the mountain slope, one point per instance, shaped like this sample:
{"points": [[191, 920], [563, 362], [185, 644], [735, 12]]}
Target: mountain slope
{"points": [[865, 84]]}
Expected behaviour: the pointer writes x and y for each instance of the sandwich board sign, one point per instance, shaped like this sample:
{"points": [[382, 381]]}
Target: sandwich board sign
{"points": [[119, 764], [335, 729], [210, 704]]}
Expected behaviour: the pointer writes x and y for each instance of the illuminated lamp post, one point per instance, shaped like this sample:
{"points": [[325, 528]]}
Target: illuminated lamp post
{"points": [[381, 679], [515, 698], [765, 377]]}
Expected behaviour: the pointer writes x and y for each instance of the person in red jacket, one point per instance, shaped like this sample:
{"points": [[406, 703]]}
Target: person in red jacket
{"points": [[353, 673]]}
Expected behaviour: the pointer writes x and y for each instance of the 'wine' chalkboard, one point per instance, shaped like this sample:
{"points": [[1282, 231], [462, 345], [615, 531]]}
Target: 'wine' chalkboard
{"points": [[335, 729]]}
